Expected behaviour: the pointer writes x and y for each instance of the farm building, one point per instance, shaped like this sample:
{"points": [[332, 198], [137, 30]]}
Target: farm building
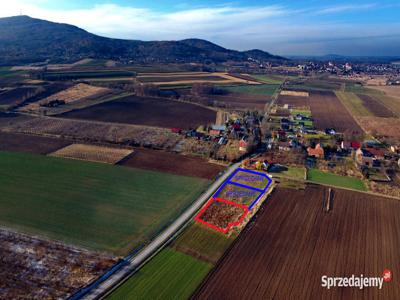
{"points": [[366, 158], [317, 152], [284, 146], [350, 145], [243, 144], [395, 148]]}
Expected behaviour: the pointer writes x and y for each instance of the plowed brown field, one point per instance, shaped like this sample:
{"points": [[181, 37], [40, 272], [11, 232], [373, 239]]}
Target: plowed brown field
{"points": [[294, 242], [293, 101], [162, 161], [329, 112], [374, 106], [241, 100], [147, 111], [30, 143]]}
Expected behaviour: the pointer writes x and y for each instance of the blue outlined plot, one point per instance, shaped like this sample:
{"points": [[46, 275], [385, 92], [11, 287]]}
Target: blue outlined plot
{"points": [[250, 179], [244, 187], [238, 193]]}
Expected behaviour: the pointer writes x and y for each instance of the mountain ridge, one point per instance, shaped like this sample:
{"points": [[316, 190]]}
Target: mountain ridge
{"points": [[27, 40]]}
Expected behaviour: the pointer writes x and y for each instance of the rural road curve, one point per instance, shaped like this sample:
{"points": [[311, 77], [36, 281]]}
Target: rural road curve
{"points": [[136, 261]]}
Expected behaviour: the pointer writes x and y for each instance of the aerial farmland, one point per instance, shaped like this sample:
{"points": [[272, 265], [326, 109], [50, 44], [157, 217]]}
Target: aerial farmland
{"points": [[185, 170], [311, 242]]}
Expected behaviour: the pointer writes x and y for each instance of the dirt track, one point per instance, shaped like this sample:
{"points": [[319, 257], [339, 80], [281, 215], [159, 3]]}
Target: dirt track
{"points": [[293, 243], [329, 112]]}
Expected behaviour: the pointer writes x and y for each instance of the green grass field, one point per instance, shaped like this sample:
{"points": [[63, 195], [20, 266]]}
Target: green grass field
{"points": [[269, 79], [64, 75], [99, 206], [263, 89], [294, 172], [335, 180], [314, 85], [318, 136], [303, 112], [354, 104], [306, 122], [360, 89], [203, 242], [169, 275]]}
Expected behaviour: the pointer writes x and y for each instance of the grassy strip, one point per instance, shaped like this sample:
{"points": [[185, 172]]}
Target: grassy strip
{"points": [[294, 172], [353, 104], [360, 89], [306, 122], [203, 242], [269, 79], [169, 275], [264, 89], [303, 112], [94, 205], [335, 180]]}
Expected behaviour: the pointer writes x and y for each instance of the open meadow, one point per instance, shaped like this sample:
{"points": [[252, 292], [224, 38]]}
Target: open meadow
{"points": [[318, 176], [262, 89], [90, 204], [203, 242], [169, 275]]}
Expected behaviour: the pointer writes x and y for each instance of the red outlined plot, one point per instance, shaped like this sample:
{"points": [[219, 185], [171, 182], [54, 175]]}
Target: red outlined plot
{"points": [[221, 215]]}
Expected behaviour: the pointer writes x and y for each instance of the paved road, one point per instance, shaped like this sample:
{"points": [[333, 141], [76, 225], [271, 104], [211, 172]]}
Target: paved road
{"points": [[136, 261]]}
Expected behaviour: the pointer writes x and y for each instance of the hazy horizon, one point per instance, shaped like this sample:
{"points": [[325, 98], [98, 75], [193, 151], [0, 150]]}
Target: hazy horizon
{"points": [[309, 28]]}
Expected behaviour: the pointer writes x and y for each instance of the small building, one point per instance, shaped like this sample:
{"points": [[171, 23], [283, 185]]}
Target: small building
{"points": [[345, 145], [243, 145], [366, 158], [354, 145], [377, 153], [330, 131], [218, 127], [284, 146], [317, 152], [213, 132], [176, 130], [395, 148]]}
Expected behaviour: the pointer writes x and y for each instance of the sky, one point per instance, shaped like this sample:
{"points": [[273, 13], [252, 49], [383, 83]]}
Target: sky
{"points": [[311, 27]]}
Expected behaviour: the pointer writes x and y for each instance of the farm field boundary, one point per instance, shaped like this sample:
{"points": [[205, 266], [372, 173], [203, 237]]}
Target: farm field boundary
{"points": [[245, 209], [105, 287], [297, 233], [93, 153], [235, 180], [232, 181]]}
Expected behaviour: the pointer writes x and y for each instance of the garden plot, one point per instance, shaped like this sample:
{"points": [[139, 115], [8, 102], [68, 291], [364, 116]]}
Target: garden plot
{"points": [[93, 153]]}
